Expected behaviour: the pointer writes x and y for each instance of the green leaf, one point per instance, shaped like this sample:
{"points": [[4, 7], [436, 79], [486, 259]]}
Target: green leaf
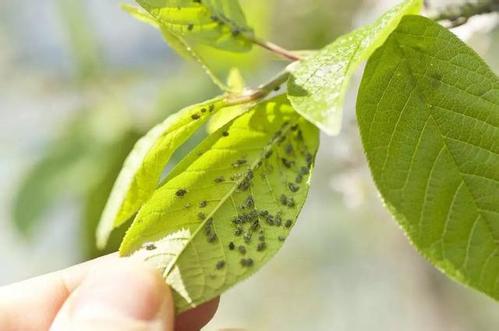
{"points": [[178, 43], [318, 84], [217, 23], [428, 110], [143, 167], [227, 207]]}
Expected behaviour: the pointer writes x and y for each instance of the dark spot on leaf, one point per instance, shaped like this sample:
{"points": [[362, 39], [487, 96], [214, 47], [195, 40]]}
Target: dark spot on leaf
{"points": [[247, 262], [261, 246], [281, 238], [232, 246], [293, 187], [195, 116], [288, 223], [220, 265], [219, 179], [150, 247], [225, 134], [201, 216], [203, 204], [181, 192], [242, 249]]}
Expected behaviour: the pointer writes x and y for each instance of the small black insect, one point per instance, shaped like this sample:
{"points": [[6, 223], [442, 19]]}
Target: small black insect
{"points": [[201, 216], [287, 163], [277, 88], [255, 225], [298, 179], [239, 163], [219, 179], [190, 27], [244, 185], [236, 32], [250, 203], [195, 116], [246, 262], [281, 238], [232, 246], [212, 238], [268, 154], [225, 134], [220, 265], [150, 247], [278, 220], [294, 127], [263, 213], [238, 231], [203, 110], [288, 223], [247, 237], [181, 192], [261, 246], [291, 203], [283, 199], [293, 187], [211, 108], [242, 249], [289, 149], [203, 204]]}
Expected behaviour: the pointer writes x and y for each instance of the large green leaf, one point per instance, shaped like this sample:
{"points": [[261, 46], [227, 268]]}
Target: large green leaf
{"points": [[318, 84], [227, 207], [217, 23], [142, 169], [428, 110]]}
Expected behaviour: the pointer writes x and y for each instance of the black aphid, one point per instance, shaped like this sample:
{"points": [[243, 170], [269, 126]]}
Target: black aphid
{"points": [[211, 108], [289, 149], [298, 179], [244, 185], [263, 213], [239, 163], [220, 265], [181, 192], [283, 199], [203, 204], [201, 216], [232, 246], [195, 116], [190, 27], [281, 238], [247, 237], [219, 179], [238, 231], [288, 223], [278, 220], [294, 127], [268, 154], [277, 88], [242, 249], [250, 203], [203, 110], [261, 246], [225, 134], [287, 163], [291, 203], [150, 247], [255, 225], [212, 237], [246, 262], [236, 32], [299, 136], [293, 187]]}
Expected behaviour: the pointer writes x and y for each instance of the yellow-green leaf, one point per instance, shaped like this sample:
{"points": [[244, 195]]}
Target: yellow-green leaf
{"points": [[142, 169], [227, 207]]}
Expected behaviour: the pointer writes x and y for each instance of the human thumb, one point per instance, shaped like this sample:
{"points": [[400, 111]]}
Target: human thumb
{"points": [[125, 295]]}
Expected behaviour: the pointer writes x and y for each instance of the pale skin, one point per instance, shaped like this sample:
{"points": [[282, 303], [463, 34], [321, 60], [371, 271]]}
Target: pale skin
{"points": [[109, 293]]}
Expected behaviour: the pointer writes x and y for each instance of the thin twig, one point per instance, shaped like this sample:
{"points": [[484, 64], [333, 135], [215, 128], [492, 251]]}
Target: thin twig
{"points": [[260, 92], [458, 15], [276, 49]]}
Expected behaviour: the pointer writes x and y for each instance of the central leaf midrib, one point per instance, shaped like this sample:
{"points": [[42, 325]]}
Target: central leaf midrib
{"points": [[229, 194]]}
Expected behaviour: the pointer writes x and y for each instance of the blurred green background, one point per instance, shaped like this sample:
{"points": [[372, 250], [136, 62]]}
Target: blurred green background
{"points": [[80, 81]]}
